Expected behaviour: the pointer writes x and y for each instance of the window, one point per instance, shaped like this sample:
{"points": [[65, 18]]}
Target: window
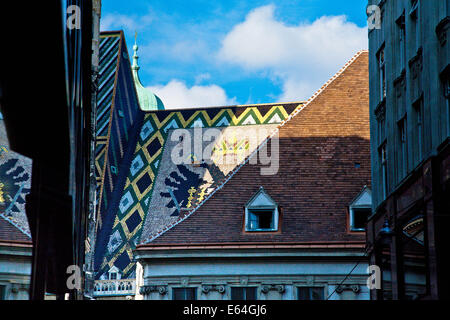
{"points": [[384, 173], [184, 294], [243, 293], [420, 131], [113, 276], [403, 156], [415, 16], [310, 293], [382, 72], [447, 100], [359, 218], [381, 130], [414, 9], [418, 107], [2, 292], [402, 40], [261, 213], [261, 220]]}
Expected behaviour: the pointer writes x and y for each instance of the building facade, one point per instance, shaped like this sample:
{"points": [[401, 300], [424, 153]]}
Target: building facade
{"points": [[410, 131], [235, 230]]}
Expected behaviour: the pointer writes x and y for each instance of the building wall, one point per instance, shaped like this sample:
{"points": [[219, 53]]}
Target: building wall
{"points": [[253, 272], [409, 77], [15, 271], [412, 120]]}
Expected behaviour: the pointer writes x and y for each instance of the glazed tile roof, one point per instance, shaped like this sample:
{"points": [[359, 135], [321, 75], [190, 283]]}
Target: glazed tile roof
{"points": [[146, 205], [320, 145], [118, 122]]}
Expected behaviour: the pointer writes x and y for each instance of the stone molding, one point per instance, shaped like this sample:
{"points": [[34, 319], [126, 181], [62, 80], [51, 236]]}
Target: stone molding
{"points": [[146, 290], [207, 288], [273, 287]]}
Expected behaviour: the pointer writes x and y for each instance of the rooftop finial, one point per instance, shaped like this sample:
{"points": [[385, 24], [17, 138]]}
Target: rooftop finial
{"points": [[135, 56], [147, 100]]}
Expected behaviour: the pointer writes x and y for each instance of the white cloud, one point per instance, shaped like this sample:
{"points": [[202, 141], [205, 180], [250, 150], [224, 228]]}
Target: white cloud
{"points": [[202, 77], [177, 95], [130, 24], [303, 57]]}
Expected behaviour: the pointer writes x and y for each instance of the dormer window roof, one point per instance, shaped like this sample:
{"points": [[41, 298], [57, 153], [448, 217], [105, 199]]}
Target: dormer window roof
{"points": [[114, 273], [360, 210], [261, 213]]}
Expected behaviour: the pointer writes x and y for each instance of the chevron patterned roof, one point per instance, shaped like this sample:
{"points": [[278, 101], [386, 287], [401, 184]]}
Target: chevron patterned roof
{"points": [[144, 205]]}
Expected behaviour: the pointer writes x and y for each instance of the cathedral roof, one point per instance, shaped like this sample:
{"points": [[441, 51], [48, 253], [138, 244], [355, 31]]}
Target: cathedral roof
{"points": [[156, 191]]}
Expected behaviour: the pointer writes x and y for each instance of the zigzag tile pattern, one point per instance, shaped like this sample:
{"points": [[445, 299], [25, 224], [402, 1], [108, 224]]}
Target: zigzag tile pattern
{"points": [[109, 50], [119, 120], [135, 200]]}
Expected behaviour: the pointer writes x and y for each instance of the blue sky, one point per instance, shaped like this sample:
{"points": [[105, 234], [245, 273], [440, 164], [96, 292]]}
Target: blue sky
{"points": [[208, 53]]}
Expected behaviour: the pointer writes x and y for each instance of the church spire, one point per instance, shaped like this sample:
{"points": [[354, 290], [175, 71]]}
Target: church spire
{"points": [[147, 100]]}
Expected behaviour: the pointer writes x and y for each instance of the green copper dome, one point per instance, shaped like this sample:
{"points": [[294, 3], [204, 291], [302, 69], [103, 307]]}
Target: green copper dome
{"points": [[147, 100]]}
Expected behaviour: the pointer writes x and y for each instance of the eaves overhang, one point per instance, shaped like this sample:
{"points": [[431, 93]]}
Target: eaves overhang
{"points": [[312, 251], [16, 248]]}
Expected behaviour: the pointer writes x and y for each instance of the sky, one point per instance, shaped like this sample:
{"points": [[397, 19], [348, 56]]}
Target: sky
{"points": [[201, 53]]}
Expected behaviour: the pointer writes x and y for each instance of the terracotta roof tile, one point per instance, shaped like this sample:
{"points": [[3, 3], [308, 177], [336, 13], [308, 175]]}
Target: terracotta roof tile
{"points": [[317, 178], [9, 233]]}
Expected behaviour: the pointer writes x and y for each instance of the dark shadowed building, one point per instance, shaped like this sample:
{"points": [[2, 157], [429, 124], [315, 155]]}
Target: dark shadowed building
{"points": [[410, 130]]}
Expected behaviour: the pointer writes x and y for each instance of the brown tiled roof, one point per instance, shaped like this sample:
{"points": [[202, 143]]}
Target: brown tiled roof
{"points": [[317, 177], [10, 234]]}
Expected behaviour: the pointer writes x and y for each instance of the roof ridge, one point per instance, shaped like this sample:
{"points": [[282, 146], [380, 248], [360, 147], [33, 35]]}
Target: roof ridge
{"points": [[178, 109], [119, 58], [299, 108]]}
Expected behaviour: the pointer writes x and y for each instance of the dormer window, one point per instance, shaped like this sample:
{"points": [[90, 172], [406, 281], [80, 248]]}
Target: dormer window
{"points": [[261, 213], [114, 274], [360, 210]]}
